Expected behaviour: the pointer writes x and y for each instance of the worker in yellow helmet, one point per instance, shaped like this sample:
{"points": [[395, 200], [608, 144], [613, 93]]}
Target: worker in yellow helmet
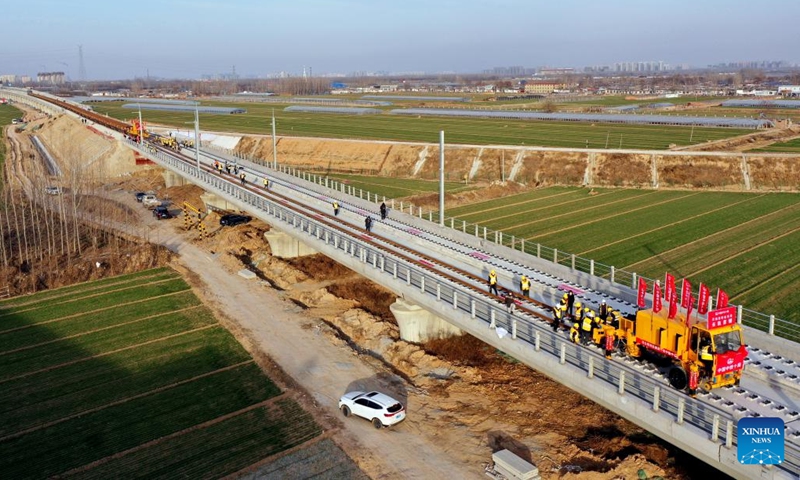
{"points": [[493, 282], [558, 316], [574, 333], [586, 325], [525, 286]]}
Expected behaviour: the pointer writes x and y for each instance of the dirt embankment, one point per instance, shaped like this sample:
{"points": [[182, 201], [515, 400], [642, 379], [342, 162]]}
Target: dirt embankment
{"points": [[742, 143], [467, 393], [533, 168]]}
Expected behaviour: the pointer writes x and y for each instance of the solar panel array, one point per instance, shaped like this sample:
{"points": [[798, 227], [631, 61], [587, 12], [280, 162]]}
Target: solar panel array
{"points": [[310, 100], [185, 108], [164, 101], [591, 117], [762, 103], [418, 98], [347, 110]]}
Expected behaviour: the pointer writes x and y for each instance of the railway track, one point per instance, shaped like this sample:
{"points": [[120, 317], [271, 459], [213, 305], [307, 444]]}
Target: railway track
{"points": [[463, 267]]}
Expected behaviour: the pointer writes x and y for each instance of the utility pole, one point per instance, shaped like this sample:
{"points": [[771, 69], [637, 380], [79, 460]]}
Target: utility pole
{"points": [[441, 178], [503, 167], [81, 66], [197, 134], [274, 144]]}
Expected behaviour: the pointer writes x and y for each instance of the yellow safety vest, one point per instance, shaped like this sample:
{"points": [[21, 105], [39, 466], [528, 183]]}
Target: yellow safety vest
{"points": [[573, 333], [335, 205], [492, 279], [705, 353], [558, 313], [586, 325], [526, 284]]}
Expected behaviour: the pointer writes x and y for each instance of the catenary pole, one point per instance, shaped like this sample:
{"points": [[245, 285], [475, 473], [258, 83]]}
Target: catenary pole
{"points": [[274, 143], [441, 178], [197, 134]]}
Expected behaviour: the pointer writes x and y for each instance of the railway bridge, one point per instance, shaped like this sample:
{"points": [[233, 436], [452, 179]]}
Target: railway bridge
{"points": [[442, 271]]}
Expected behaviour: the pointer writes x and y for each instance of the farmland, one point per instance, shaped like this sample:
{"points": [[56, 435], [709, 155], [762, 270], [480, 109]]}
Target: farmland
{"points": [[741, 242], [792, 146], [475, 131], [132, 376]]}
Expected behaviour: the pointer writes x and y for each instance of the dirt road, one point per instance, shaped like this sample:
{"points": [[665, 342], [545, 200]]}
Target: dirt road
{"points": [[278, 328]]}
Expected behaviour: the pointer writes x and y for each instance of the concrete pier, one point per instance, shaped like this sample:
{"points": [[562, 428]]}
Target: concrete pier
{"points": [[284, 246], [211, 200], [172, 179], [419, 325]]}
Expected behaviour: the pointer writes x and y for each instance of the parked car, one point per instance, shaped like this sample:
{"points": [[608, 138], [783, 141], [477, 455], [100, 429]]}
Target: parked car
{"points": [[139, 196], [51, 190], [379, 408], [162, 212], [151, 201], [233, 219]]}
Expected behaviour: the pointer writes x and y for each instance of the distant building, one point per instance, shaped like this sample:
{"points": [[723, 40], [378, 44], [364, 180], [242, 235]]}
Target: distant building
{"points": [[52, 78], [543, 87], [25, 79], [8, 79], [789, 90], [555, 71]]}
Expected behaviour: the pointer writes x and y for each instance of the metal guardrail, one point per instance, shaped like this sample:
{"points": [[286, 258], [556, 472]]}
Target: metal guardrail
{"points": [[715, 423], [751, 318]]}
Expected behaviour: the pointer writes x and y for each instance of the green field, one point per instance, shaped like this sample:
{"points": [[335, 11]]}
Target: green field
{"points": [[390, 187], [744, 243], [133, 377], [792, 146], [426, 129]]}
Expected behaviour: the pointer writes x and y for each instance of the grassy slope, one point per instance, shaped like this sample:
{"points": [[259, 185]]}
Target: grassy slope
{"points": [[99, 368]]}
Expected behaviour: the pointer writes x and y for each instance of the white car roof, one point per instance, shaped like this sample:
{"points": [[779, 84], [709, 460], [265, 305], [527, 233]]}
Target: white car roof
{"points": [[378, 397]]}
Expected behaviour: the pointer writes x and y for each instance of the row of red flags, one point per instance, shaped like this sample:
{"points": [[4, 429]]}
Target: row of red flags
{"points": [[687, 299]]}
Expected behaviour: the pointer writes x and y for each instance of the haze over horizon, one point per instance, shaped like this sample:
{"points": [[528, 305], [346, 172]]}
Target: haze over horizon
{"points": [[188, 39]]}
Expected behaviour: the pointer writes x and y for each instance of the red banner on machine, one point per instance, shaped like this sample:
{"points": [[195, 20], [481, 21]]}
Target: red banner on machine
{"points": [[689, 308], [702, 300], [722, 299], [656, 298], [732, 361], [721, 317], [686, 292], [641, 292], [673, 307], [669, 287]]}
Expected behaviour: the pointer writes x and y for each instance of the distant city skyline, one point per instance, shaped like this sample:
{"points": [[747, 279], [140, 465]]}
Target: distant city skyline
{"points": [[189, 39]]}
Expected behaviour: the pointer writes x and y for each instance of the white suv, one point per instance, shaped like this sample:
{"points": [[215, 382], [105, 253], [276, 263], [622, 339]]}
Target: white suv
{"points": [[382, 410]]}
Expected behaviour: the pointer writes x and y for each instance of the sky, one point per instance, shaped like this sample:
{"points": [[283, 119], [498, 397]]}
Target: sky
{"points": [[191, 38]]}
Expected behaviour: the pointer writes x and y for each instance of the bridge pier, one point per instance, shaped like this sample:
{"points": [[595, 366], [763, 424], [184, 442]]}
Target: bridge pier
{"points": [[418, 325], [172, 179], [211, 200], [285, 246]]}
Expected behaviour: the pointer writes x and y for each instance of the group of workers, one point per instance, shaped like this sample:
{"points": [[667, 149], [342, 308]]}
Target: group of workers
{"points": [[367, 220], [584, 320]]}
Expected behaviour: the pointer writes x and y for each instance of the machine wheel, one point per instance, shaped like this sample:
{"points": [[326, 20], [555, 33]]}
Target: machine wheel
{"points": [[376, 422], [678, 378], [345, 410]]}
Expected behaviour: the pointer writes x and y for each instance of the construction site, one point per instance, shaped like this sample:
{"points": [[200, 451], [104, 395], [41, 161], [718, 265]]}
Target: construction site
{"points": [[478, 400]]}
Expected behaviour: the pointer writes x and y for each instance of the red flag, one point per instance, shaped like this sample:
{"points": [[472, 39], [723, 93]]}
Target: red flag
{"points": [[641, 292], [689, 308], [702, 300], [686, 292], [656, 297], [722, 299], [669, 287], [673, 307]]}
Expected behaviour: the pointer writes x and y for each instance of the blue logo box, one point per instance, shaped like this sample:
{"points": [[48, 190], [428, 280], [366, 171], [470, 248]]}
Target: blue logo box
{"points": [[760, 441]]}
